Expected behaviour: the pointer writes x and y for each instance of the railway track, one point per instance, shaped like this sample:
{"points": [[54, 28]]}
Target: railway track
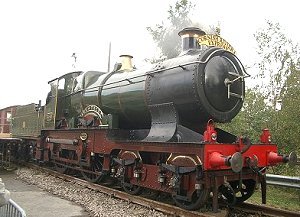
{"points": [[151, 204], [241, 210], [263, 210]]}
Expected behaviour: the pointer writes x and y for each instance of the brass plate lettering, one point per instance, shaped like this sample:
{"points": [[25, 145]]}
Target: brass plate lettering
{"points": [[215, 40], [93, 110]]}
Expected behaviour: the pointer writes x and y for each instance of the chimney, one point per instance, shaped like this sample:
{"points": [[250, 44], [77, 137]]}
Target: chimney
{"points": [[126, 63], [189, 38]]}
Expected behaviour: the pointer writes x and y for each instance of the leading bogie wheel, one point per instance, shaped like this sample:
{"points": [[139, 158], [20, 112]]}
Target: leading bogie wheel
{"points": [[234, 193], [246, 191]]}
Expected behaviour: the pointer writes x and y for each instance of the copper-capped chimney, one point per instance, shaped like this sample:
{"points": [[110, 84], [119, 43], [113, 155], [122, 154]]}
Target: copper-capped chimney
{"points": [[189, 38], [126, 63]]}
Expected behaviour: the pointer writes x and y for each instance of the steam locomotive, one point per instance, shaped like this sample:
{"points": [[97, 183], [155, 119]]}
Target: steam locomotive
{"points": [[152, 127]]}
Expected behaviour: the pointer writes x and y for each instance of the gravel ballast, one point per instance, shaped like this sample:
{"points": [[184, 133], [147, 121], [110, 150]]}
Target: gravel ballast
{"points": [[96, 203]]}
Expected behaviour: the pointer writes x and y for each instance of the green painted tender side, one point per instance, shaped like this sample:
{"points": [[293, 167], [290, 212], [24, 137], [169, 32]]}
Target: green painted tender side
{"points": [[28, 121]]}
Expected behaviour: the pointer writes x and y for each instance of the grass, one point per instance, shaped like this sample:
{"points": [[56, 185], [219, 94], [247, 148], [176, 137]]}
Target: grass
{"points": [[280, 197]]}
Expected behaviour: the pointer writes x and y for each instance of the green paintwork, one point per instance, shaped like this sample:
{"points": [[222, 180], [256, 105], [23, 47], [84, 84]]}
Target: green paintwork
{"points": [[58, 106], [27, 121], [125, 98], [49, 114], [120, 94]]}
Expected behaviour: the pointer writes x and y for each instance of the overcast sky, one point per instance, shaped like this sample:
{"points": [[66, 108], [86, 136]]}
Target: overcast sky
{"points": [[38, 38]]}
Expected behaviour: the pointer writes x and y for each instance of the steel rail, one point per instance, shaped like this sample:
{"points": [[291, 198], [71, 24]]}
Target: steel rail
{"points": [[266, 210], [284, 181]]}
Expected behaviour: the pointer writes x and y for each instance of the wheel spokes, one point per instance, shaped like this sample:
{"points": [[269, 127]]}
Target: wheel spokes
{"points": [[233, 194]]}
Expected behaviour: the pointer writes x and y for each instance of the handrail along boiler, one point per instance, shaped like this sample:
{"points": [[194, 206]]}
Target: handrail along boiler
{"points": [[154, 127]]}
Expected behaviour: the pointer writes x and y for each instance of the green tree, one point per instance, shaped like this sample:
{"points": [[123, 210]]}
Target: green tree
{"points": [[288, 118], [277, 53], [279, 71], [254, 116]]}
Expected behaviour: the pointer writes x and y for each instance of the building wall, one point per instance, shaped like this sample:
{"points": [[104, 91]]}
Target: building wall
{"points": [[5, 117]]}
